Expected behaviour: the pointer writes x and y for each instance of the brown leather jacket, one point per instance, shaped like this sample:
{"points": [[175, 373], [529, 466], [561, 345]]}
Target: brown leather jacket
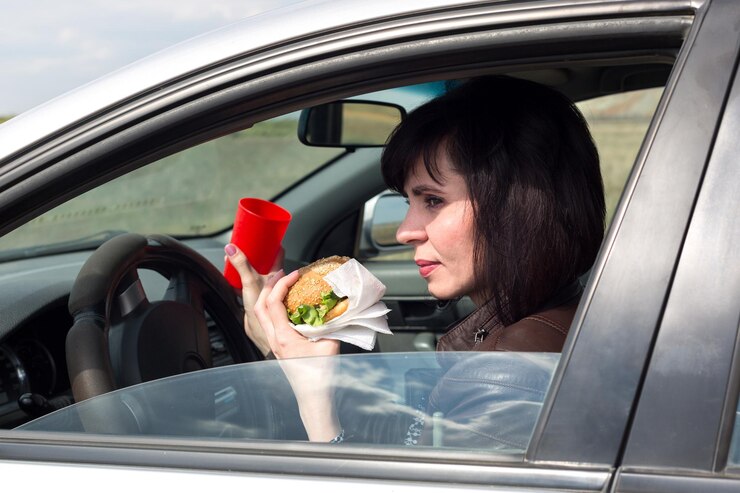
{"points": [[543, 331]]}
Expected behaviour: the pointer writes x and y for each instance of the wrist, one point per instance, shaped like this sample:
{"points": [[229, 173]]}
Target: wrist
{"points": [[321, 422]]}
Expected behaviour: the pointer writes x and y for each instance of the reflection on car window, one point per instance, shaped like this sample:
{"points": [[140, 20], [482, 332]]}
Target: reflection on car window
{"points": [[733, 461], [190, 193], [474, 401]]}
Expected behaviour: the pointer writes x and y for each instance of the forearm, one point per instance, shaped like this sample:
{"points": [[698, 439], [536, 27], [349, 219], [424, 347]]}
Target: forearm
{"points": [[319, 417], [312, 381]]}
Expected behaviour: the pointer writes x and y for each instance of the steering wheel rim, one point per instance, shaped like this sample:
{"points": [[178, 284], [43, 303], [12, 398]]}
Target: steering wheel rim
{"points": [[107, 291]]}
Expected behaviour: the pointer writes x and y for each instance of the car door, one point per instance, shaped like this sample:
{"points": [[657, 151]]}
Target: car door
{"points": [[685, 424]]}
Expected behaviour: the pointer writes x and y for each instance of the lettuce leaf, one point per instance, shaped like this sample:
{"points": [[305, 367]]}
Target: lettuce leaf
{"points": [[314, 315]]}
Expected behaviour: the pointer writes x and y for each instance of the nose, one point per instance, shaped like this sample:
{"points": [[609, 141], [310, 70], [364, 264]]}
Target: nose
{"points": [[411, 230]]}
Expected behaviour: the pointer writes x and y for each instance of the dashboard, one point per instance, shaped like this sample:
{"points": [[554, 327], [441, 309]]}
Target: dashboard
{"points": [[32, 361]]}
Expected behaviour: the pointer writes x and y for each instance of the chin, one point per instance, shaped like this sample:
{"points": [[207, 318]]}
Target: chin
{"points": [[444, 294], [451, 290]]}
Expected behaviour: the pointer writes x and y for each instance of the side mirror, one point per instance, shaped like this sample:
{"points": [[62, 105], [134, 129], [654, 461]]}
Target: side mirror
{"points": [[381, 218], [349, 123]]}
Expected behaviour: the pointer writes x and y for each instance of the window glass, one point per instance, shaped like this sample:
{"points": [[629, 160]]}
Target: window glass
{"points": [[618, 125], [190, 193], [414, 399]]}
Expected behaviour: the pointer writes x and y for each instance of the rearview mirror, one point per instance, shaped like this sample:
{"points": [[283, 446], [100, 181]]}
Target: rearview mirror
{"points": [[349, 123]]}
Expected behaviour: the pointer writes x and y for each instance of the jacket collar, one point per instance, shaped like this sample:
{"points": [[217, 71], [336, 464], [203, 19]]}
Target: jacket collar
{"points": [[467, 333]]}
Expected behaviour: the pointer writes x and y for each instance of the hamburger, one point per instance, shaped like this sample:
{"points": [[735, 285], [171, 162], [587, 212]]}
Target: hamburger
{"points": [[311, 300]]}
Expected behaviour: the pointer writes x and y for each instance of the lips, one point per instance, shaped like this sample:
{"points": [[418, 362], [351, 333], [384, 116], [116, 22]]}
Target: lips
{"points": [[426, 267]]}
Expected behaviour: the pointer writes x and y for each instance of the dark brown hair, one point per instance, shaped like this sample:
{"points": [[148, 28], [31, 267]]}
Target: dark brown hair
{"points": [[532, 172]]}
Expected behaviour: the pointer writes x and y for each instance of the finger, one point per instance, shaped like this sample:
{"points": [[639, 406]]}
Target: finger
{"points": [[279, 286], [249, 277], [283, 331], [238, 259], [261, 311], [251, 286]]}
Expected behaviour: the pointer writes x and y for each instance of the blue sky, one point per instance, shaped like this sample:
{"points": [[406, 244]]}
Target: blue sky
{"points": [[49, 47]]}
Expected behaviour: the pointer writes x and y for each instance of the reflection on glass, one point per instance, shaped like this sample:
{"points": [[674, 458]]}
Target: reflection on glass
{"points": [[387, 217], [733, 461], [369, 124], [350, 124], [475, 401]]}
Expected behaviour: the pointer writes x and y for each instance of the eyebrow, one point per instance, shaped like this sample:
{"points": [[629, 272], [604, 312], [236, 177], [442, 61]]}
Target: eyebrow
{"points": [[422, 189]]}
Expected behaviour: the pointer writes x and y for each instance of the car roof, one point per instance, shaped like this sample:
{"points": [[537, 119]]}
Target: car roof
{"points": [[198, 53]]}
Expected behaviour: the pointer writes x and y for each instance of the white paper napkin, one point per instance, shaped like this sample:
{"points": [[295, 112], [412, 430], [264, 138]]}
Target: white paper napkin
{"points": [[366, 314]]}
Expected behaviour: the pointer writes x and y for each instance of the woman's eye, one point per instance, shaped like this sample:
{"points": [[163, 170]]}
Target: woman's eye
{"points": [[432, 201]]}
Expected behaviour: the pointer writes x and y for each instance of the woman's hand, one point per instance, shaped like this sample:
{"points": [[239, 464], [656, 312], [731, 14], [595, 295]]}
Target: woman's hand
{"points": [[283, 339], [310, 378], [266, 322], [252, 283]]}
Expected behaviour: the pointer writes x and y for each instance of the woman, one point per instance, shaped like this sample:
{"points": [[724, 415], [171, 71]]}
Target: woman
{"points": [[506, 206], [502, 172]]}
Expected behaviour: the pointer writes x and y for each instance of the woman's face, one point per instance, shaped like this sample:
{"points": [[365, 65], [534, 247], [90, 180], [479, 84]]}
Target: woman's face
{"points": [[439, 225]]}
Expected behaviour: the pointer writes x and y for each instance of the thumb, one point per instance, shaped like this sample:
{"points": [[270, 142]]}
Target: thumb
{"points": [[240, 262]]}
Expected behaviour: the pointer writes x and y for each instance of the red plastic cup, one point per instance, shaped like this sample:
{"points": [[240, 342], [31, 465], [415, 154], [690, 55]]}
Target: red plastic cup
{"points": [[259, 227]]}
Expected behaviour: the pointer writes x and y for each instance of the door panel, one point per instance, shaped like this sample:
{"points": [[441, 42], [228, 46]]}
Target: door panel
{"points": [[684, 399]]}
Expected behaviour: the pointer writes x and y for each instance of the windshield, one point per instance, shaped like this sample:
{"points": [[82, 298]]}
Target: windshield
{"points": [[475, 401], [191, 193]]}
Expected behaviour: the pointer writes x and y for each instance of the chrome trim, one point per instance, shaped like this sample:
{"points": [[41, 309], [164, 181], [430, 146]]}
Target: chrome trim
{"points": [[51, 474], [382, 465]]}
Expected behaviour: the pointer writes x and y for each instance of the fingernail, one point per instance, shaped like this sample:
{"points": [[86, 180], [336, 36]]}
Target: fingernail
{"points": [[230, 249]]}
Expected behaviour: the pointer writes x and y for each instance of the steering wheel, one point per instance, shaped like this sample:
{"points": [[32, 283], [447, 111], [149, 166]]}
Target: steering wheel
{"points": [[120, 338]]}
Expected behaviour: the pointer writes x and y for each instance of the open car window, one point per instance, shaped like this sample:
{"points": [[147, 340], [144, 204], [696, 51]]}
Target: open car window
{"points": [[474, 401], [192, 193]]}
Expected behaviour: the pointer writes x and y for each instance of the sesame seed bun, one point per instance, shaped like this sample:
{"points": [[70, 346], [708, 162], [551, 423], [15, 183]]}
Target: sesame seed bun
{"points": [[311, 284]]}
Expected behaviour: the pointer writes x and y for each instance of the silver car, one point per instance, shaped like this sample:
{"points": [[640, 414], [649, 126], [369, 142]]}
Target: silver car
{"points": [[123, 360]]}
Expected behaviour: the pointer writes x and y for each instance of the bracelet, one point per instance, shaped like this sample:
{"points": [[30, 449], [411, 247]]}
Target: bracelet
{"points": [[339, 438]]}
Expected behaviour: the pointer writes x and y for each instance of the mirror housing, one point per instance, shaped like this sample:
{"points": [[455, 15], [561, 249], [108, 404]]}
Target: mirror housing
{"points": [[381, 218], [349, 123]]}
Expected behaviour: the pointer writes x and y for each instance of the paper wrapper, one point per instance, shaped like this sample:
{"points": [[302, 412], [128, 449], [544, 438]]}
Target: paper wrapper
{"points": [[366, 314]]}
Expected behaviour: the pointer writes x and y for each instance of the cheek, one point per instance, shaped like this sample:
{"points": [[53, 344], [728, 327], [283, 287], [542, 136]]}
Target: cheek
{"points": [[466, 240], [456, 233], [466, 281]]}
